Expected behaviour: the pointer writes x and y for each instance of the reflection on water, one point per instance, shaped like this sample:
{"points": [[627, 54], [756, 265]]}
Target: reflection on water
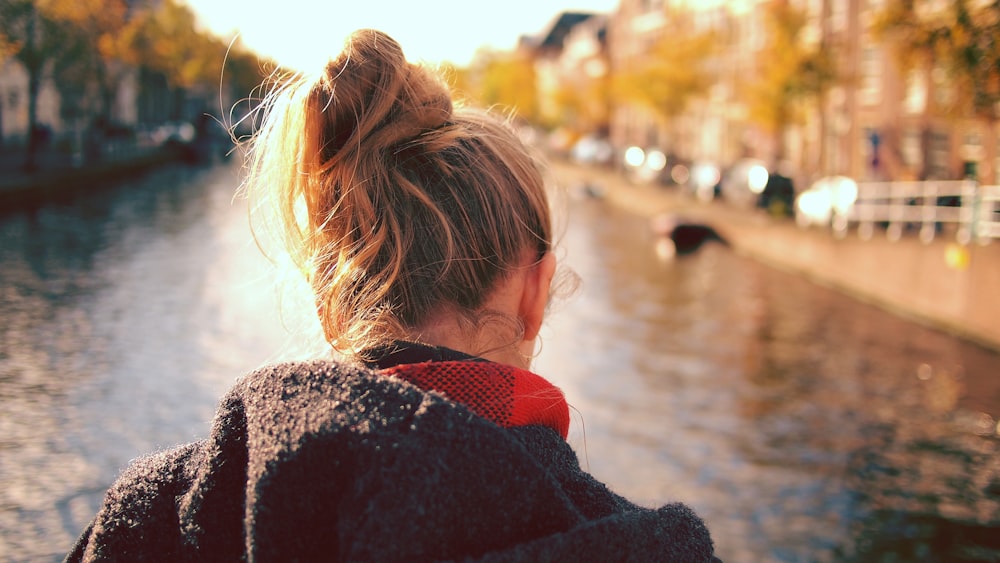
{"points": [[126, 314], [802, 425]]}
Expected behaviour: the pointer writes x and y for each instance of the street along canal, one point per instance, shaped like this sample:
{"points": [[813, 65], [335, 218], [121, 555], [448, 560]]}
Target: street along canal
{"points": [[801, 424]]}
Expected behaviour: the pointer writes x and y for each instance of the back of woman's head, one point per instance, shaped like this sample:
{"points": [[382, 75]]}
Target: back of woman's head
{"points": [[394, 203]]}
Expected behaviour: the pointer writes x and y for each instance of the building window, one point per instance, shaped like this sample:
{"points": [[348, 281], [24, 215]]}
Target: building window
{"points": [[870, 91], [755, 32], [651, 5], [972, 147], [838, 16], [939, 154], [930, 9], [916, 92], [910, 149], [943, 91], [996, 162], [814, 9]]}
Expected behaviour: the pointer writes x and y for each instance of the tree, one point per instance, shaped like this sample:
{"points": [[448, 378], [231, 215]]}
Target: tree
{"points": [[8, 48], [962, 37], [168, 40], [673, 72], [94, 52], [165, 41], [585, 105], [790, 73], [64, 38], [76, 70], [508, 80], [35, 40], [89, 45], [459, 79]]}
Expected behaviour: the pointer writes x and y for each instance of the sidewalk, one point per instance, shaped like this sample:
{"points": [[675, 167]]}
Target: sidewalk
{"points": [[941, 284]]}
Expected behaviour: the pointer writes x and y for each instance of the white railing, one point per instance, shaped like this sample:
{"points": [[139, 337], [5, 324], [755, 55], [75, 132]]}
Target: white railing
{"points": [[970, 210]]}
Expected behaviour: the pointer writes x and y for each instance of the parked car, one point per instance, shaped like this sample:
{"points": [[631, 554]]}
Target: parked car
{"points": [[778, 196], [645, 165], [704, 181], [743, 183], [592, 150], [825, 198]]}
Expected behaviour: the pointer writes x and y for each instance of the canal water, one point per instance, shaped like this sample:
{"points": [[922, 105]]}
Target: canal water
{"points": [[802, 425]]}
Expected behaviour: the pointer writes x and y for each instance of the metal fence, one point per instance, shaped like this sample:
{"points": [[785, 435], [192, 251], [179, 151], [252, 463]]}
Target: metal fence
{"points": [[964, 209]]}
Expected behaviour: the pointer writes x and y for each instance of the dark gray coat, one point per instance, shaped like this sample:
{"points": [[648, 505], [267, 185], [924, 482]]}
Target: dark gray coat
{"points": [[330, 461]]}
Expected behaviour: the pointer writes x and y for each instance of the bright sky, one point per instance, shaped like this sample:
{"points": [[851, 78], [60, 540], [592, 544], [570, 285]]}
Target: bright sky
{"points": [[304, 34]]}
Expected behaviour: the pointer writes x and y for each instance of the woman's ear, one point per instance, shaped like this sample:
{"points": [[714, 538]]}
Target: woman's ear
{"points": [[535, 296]]}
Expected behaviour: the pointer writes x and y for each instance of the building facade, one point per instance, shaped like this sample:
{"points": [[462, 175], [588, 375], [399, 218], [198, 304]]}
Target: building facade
{"points": [[874, 122], [14, 103]]}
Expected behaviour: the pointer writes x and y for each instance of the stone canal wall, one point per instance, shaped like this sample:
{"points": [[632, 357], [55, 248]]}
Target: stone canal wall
{"points": [[941, 284], [57, 177]]}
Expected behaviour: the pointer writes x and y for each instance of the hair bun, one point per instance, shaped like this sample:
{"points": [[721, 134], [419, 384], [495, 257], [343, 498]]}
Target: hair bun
{"points": [[379, 100]]}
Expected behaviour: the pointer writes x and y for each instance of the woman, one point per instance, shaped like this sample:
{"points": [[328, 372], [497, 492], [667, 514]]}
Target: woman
{"points": [[424, 231]]}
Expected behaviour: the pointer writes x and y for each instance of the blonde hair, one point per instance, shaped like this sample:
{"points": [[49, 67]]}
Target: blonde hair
{"points": [[392, 200]]}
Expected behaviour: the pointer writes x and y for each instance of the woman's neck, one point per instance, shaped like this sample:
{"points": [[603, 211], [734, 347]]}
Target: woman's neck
{"points": [[494, 338]]}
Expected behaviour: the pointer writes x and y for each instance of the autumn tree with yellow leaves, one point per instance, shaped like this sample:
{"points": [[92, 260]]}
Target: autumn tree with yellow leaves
{"points": [[673, 72], [961, 38], [9, 46], [505, 80], [167, 39], [458, 79], [87, 46], [93, 55], [31, 36], [509, 80], [791, 76], [585, 105]]}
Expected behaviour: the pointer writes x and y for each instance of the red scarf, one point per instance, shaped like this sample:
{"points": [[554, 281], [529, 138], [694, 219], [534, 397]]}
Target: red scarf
{"points": [[504, 394]]}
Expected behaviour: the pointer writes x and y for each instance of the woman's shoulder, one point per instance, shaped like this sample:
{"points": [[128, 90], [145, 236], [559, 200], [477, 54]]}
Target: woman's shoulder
{"points": [[349, 415], [309, 459], [326, 395]]}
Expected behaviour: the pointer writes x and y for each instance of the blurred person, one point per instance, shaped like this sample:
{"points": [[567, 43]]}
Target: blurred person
{"points": [[424, 230]]}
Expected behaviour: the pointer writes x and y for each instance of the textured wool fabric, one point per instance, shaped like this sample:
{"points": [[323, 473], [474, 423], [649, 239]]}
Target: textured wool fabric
{"points": [[330, 461]]}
